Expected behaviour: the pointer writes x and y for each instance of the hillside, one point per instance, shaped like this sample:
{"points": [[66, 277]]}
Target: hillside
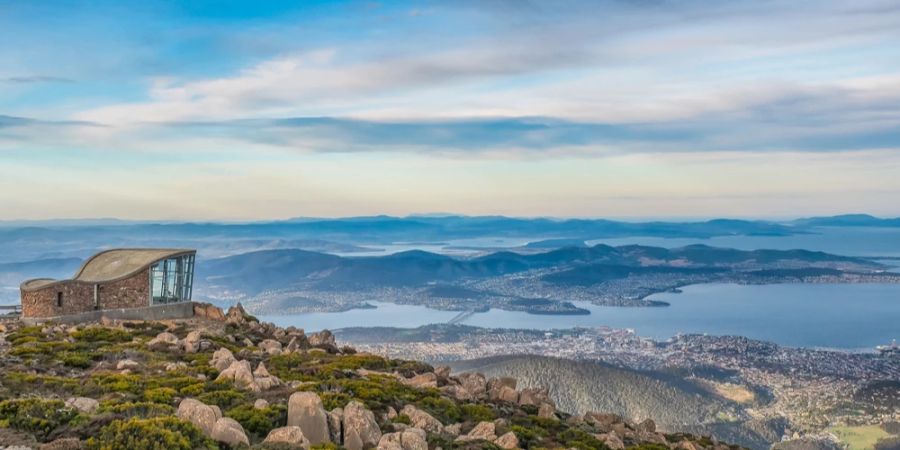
{"points": [[226, 381], [672, 402]]}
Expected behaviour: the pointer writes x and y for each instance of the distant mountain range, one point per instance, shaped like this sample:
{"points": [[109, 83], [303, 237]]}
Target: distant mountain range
{"points": [[254, 272]]}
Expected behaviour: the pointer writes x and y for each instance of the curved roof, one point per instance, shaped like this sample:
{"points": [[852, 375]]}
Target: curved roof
{"points": [[115, 264]]}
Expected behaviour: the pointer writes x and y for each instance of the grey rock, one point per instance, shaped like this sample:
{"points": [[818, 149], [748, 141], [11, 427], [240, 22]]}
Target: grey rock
{"points": [[288, 435], [229, 431], [305, 411]]}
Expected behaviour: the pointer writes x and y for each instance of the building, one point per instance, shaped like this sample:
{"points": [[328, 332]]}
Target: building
{"points": [[120, 283]]}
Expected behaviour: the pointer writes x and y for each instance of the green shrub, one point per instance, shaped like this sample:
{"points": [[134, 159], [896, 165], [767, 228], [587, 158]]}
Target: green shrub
{"points": [[224, 399], [101, 334], [402, 418], [259, 421], [160, 433], [160, 395], [138, 409], [77, 360], [477, 413], [37, 416]]}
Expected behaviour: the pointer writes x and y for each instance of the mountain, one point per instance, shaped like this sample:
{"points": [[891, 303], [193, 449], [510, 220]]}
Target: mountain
{"points": [[254, 272], [672, 402], [848, 220]]}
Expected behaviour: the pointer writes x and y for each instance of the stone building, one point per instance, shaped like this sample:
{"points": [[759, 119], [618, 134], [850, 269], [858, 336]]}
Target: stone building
{"points": [[120, 283]]}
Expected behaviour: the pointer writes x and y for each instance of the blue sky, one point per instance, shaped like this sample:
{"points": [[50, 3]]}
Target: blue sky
{"points": [[254, 110]]}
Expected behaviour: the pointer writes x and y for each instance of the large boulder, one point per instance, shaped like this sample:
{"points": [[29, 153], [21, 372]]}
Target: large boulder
{"points": [[83, 404], [236, 315], [335, 424], [229, 431], [191, 342], [240, 373], [360, 428], [534, 396], [408, 439], [425, 380], [196, 412], [208, 312], [323, 338], [288, 435], [264, 379], [474, 383], [305, 411], [508, 441], [270, 346], [421, 419], [163, 341], [485, 431], [222, 359]]}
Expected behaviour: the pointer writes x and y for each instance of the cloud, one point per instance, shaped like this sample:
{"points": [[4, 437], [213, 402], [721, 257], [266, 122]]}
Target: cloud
{"points": [[36, 79]]}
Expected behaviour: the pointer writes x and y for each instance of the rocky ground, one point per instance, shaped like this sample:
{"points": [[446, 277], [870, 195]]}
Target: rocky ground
{"points": [[227, 381]]}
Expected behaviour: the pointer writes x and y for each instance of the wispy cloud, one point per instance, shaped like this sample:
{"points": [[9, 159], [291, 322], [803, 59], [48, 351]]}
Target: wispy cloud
{"points": [[36, 79]]}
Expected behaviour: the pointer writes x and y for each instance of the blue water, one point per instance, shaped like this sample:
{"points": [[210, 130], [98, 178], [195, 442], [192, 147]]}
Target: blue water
{"points": [[846, 316]]}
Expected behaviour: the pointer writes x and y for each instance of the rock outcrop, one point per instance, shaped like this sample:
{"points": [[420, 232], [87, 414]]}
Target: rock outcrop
{"points": [[359, 427], [305, 411], [291, 435]]}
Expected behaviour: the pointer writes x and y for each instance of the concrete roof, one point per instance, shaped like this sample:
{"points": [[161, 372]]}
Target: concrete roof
{"points": [[113, 265]]}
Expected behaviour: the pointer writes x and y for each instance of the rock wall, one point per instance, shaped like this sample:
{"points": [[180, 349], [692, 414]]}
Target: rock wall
{"points": [[78, 296]]}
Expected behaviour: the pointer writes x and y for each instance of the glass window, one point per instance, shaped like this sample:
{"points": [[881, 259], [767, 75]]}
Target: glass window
{"points": [[171, 280]]}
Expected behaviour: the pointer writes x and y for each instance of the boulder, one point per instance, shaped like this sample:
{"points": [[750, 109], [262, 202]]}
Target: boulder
{"points": [[612, 440], [305, 411], [83, 404], [239, 372], [208, 312], [196, 412], [221, 359], [335, 428], [453, 429], [323, 338], [483, 431], [442, 372], [546, 411], [458, 392], [191, 343], [263, 379], [408, 439], [236, 314], [173, 366], [270, 346], [229, 431], [360, 428], [260, 404], [648, 426], [534, 397], [287, 435], [425, 380], [421, 419], [127, 364], [475, 383], [506, 394], [162, 341], [508, 441]]}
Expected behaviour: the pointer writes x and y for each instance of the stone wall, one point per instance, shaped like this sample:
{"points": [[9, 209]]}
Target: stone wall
{"points": [[78, 296], [170, 311]]}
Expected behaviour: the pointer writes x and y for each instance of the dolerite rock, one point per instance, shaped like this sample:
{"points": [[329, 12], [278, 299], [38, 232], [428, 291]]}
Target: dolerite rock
{"points": [[425, 380], [208, 312], [408, 439], [287, 435], [297, 341], [163, 341], [483, 431], [83, 404], [612, 440], [453, 430], [260, 404], [508, 441], [603, 421], [474, 383], [239, 372], [442, 372], [534, 397], [264, 379], [270, 346], [335, 426], [648, 426], [222, 359], [546, 411], [201, 415], [127, 364], [360, 428], [236, 314], [323, 338], [191, 342], [305, 411], [421, 419], [229, 431], [458, 392]]}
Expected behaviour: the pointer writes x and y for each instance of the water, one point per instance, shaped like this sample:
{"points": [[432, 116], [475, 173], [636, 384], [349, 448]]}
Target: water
{"points": [[845, 316]]}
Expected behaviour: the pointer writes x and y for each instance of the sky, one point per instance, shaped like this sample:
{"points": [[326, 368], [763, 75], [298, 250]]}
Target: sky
{"points": [[224, 110]]}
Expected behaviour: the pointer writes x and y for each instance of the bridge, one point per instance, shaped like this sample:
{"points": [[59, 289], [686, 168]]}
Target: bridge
{"points": [[461, 317], [11, 309]]}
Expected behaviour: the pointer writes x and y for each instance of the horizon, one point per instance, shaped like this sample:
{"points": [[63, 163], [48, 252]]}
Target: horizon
{"points": [[238, 112]]}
